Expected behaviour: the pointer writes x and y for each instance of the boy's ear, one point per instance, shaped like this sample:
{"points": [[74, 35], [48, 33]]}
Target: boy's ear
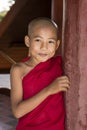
{"points": [[58, 43], [27, 41]]}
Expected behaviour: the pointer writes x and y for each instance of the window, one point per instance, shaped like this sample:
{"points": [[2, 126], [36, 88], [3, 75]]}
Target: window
{"points": [[5, 7]]}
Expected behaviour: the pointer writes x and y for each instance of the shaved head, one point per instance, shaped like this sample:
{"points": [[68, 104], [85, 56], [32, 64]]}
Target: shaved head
{"points": [[43, 22]]}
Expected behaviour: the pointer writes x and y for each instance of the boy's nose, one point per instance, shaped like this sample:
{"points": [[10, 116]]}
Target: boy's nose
{"points": [[44, 45]]}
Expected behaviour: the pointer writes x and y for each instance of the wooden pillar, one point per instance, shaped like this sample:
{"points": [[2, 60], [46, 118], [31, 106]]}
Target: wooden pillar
{"points": [[75, 64], [57, 15]]}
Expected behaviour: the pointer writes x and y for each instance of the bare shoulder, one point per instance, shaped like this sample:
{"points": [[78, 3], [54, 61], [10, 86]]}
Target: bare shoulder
{"points": [[17, 69]]}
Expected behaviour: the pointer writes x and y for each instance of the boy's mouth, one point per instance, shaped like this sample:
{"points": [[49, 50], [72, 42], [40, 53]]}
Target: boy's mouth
{"points": [[43, 54]]}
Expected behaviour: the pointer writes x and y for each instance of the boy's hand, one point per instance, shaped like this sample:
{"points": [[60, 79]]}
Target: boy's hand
{"points": [[60, 84]]}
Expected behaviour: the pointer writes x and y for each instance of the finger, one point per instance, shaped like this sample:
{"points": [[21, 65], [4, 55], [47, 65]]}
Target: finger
{"points": [[63, 89], [64, 81], [66, 77], [63, 78], [67, 86]]}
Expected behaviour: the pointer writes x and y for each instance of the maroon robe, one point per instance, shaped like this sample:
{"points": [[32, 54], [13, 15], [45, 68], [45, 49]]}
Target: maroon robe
{"points": [[49, 115]]}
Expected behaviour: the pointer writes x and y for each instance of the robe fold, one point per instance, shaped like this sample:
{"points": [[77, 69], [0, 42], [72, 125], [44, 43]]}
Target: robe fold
{"points": [[50, 114]]}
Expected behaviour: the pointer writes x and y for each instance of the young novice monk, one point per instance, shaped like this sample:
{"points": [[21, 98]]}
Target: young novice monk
{"points": [[36, 82]]}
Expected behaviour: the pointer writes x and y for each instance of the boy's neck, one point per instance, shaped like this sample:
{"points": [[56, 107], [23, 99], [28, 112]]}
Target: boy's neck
{"points": [[32, 62]]}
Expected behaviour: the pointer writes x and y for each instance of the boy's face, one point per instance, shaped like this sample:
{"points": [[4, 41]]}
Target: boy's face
{"points": [[42, 43]]}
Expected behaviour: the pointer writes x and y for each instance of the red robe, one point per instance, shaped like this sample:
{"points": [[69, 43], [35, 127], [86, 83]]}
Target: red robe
{"points": [[49, 115]]}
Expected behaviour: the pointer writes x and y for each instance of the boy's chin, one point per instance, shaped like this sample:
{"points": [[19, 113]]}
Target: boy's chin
{"points": [[44, 59]]}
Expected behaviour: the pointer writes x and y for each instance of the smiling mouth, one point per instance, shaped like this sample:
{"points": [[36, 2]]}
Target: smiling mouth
{"points": [[42, 54]]}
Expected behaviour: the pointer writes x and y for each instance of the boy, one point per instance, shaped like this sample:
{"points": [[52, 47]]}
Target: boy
{"points": [[36, 81]]}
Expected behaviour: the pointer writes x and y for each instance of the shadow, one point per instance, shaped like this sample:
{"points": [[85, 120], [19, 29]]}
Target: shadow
{"points": [[5, 91]]}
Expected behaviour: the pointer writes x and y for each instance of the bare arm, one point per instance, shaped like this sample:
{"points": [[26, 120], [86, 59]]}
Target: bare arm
{"points": [[21, 107]]}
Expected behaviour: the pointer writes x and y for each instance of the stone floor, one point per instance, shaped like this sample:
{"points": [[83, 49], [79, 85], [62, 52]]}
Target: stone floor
{"points": [[7, 121]]}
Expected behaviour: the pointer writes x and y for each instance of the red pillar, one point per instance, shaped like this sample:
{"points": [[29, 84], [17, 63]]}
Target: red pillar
{"points": [[75, 63]]}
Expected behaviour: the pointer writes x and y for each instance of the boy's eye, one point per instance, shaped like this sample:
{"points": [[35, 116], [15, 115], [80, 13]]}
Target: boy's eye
{"points": [[51, 41], [37, 40]]}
